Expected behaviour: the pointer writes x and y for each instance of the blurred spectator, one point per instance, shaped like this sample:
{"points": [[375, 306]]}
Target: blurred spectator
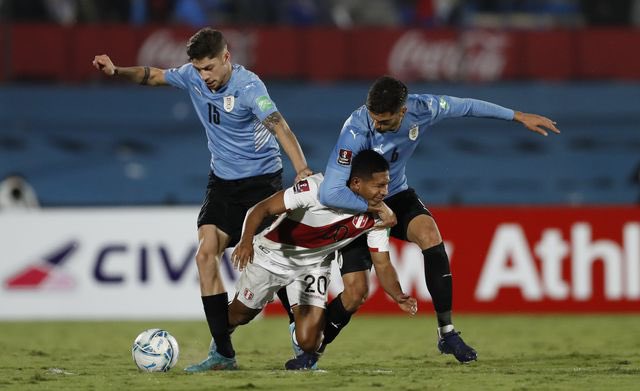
{"points": [[341, 13], [349, 13], [151, 11], [17, 194], [607, 12], [24, 11], [64, 12], [200, 13]]}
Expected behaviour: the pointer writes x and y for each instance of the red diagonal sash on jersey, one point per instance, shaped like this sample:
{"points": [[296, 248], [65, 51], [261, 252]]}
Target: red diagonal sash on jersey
{"points": [[302, 235]]}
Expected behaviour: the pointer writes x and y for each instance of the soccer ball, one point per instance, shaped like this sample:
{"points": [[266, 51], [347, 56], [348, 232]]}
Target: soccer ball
{"points": [[155, 350]]}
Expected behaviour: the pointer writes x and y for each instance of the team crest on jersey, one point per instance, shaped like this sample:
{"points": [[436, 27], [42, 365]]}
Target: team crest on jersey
{"points": [[247, 294], [413, 132], [229, 102], [301, 186], [360, 221], [344, 157]]}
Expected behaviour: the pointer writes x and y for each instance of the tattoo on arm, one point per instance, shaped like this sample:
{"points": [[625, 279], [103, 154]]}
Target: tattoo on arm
{"points": [[145, 78], [272, 121]]}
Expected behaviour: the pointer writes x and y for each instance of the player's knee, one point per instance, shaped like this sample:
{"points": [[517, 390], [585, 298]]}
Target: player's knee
{"points": [[206, 261], [308, 341]]}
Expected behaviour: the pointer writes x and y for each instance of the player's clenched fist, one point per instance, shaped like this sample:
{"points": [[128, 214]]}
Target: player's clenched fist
{"points": [[104, 64]]}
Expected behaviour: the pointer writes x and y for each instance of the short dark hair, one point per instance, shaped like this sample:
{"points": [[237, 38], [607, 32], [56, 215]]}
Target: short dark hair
{"points": [[386, 95], [366, 163], [207, 42]]}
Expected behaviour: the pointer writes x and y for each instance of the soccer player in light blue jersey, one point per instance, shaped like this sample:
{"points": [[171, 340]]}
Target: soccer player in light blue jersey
{"points": [[243, 128], [393, 122]]}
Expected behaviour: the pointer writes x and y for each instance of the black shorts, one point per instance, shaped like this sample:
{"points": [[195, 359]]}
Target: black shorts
{"points": [[406, 205], [226, 201]]}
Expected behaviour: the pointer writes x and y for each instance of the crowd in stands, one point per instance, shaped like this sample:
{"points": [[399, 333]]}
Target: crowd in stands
{"points": [[342, 13]]}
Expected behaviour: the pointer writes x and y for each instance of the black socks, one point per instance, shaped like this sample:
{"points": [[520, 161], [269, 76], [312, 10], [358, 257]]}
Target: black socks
{"points": [[284, 299], [336, 319], [438, 277], [216, 309]]}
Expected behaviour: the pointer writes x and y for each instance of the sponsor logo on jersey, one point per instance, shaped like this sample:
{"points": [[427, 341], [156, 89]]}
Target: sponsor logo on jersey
{"points": [[344, 157], [413, 132], [229, 102], [301, 186], [247, 294], [379, 149], [360, 221], [264, 103]]}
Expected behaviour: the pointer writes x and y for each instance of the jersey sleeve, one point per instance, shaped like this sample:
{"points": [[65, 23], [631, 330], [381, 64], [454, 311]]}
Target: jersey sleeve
{"points": [[302, 195], [178, 77], [378, 240], [334, 192], [256, 97], [443, 107]]}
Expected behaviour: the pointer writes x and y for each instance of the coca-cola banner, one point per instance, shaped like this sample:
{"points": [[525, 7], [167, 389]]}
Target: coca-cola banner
{"points": [[332, 54], [541, 259]]}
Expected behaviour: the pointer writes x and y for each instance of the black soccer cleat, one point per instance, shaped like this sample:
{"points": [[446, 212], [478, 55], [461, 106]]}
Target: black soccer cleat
{"points": [[451, 343], [304, 361]]}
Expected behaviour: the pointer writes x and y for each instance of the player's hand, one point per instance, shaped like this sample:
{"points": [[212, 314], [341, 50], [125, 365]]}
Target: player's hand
{"points": [[385, 213], [242, 255], [305, 172], [407, 303], [103, 63], [536, 123]]}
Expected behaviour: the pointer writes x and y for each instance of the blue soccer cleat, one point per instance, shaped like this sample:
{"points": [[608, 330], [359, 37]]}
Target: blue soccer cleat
{"points": [[214, 362], [451, 343], [308, 361], [297, 350]]}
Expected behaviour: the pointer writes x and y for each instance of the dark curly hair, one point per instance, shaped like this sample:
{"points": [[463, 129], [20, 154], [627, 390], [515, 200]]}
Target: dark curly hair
{"points": [[386, 95], [206, 43], [366, 163]]}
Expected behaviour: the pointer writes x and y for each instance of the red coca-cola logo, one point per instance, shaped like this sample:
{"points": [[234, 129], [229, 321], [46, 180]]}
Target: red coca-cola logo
{"points": [[475, 55], [165, 50]]}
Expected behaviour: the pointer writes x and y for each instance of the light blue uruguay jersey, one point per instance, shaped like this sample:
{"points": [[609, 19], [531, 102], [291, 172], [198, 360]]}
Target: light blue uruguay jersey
{"points": [[358, 133], [240, 145]]}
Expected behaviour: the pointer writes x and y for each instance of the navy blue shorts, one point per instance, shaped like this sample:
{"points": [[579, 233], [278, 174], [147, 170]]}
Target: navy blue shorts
{"points": [[406, 205]]}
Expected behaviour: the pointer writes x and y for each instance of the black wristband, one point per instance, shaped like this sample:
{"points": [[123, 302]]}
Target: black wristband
{"points": [[115, 71], [145, 79]]}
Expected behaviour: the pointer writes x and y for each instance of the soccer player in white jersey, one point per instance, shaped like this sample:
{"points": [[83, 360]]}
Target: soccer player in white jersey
{"points": [[296, 252], [243, 129], [393, 122]]}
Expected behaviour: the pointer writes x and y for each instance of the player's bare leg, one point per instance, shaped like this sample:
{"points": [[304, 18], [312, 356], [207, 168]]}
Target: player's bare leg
{"points": [[211, 244], [343, 306], [309, 325], [240, 314], [423, 231]]}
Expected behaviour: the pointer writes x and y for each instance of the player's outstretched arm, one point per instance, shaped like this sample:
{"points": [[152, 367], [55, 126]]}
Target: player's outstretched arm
{"points": [[536, 123], [141, 75], [389, 280], [277, 125], [243, 253]]}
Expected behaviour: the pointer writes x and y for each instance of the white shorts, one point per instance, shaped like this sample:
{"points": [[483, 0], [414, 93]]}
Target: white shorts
{"points": [[262, 279]]}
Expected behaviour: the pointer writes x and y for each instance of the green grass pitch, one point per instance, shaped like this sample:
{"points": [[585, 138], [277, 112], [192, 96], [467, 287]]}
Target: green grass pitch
{"points": [[542, 352]]}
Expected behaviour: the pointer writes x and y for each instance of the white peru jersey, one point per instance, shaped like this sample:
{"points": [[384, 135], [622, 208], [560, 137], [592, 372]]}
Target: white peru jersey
{"points": [[310, 231]]}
